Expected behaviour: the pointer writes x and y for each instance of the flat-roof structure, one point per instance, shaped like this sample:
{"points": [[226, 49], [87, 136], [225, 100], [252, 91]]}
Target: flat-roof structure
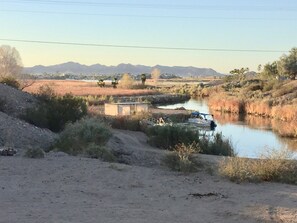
{"points": [[125, 108]]}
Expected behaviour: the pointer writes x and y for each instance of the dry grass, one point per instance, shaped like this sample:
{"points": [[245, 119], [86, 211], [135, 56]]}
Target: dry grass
{"points": [[82, 88], [274, 166], [259, 108], [286, 89], [222, 102], [285, 129], [285, 113]]}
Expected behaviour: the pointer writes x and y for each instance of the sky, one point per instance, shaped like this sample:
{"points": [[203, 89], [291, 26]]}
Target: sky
{"points": [[217, 34]]}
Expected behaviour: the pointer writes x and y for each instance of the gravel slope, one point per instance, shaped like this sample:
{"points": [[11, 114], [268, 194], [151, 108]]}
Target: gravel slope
{"points": [[14, 132]]}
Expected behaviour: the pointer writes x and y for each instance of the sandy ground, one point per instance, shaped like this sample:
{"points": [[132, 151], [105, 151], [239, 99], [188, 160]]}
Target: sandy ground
{"points": [[62, 188]]}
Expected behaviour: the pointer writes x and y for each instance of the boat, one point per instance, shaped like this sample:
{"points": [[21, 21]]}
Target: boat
{"points": [[202, 120]]}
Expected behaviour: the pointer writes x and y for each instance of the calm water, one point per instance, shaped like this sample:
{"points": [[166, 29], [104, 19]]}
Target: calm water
{"points": [[248, 140]]}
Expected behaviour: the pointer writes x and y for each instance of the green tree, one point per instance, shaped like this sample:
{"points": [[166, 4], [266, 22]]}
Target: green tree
{"points": [[270, 70], [143, 79], [288, 64], [239, 73]]}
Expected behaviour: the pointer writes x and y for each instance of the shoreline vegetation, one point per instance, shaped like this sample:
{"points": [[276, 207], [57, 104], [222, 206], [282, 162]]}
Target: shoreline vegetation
{"points": [[273, 100]]}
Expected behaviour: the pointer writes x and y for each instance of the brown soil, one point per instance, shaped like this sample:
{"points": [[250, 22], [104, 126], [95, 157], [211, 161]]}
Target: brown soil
{"points": [[62, 188]]}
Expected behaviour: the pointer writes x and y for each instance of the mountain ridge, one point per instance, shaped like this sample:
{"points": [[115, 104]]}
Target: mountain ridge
{"points": [[78, 69]]}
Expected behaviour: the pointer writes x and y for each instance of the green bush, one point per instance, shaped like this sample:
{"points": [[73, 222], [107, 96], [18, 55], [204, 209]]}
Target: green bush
{"points": [[217, 146], [99, 152], [55, 112], [80, 137], [10, 81], [166, 137], [34, 153], [127, 123], [271, 85]]}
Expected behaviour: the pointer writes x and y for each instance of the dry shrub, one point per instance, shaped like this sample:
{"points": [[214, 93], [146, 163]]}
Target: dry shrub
{"points": [[10, 81], [226, 104], [285, 129], [272, 84], [274, 166], [205, 92], [261, 108], [285, 89], [286, 112], [126, 81], [181, 159], [252, 87]]}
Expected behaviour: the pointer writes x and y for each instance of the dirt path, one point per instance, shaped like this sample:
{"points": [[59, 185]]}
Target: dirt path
{"points": [[62, 189]]}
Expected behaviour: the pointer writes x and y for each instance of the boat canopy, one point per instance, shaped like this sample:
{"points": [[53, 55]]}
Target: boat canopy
{"points": [[199, 113]]}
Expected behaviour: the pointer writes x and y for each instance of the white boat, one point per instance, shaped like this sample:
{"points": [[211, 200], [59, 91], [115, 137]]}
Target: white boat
{"points": [[202, 120]]}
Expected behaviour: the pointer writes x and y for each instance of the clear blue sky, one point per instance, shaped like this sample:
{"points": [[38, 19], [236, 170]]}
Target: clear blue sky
{"points": [[201, 24]]}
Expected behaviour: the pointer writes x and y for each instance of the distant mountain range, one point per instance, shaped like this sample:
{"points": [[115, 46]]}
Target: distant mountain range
{"points": [[80, 69]]}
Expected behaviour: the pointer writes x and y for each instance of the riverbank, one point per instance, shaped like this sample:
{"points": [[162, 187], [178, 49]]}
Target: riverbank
{"points": [[273, 99]]}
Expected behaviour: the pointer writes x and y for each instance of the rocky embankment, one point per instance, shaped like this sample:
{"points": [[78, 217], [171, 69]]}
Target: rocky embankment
{"points": [[14, 132]]}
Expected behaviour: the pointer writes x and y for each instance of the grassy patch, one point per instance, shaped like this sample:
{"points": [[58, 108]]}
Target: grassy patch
{"points": [[272, 167]]}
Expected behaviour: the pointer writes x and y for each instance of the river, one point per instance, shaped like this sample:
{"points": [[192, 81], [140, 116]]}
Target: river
{"points": [[249, 138]]}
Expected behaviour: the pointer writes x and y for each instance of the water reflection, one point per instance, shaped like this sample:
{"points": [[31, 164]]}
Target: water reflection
{"points": [[249, 135]]}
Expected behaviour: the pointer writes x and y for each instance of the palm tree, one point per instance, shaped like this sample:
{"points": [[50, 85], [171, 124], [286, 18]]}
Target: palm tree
{"points": [[143, 79], [114, 82]]}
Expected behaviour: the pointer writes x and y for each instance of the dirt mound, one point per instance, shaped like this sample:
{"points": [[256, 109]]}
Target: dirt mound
{"points": [[15, 133], [18, 134], [131, 148], [14, 102]]}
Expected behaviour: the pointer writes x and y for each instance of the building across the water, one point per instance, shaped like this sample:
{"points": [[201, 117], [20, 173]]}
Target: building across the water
{"points": [[125, 108]]}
